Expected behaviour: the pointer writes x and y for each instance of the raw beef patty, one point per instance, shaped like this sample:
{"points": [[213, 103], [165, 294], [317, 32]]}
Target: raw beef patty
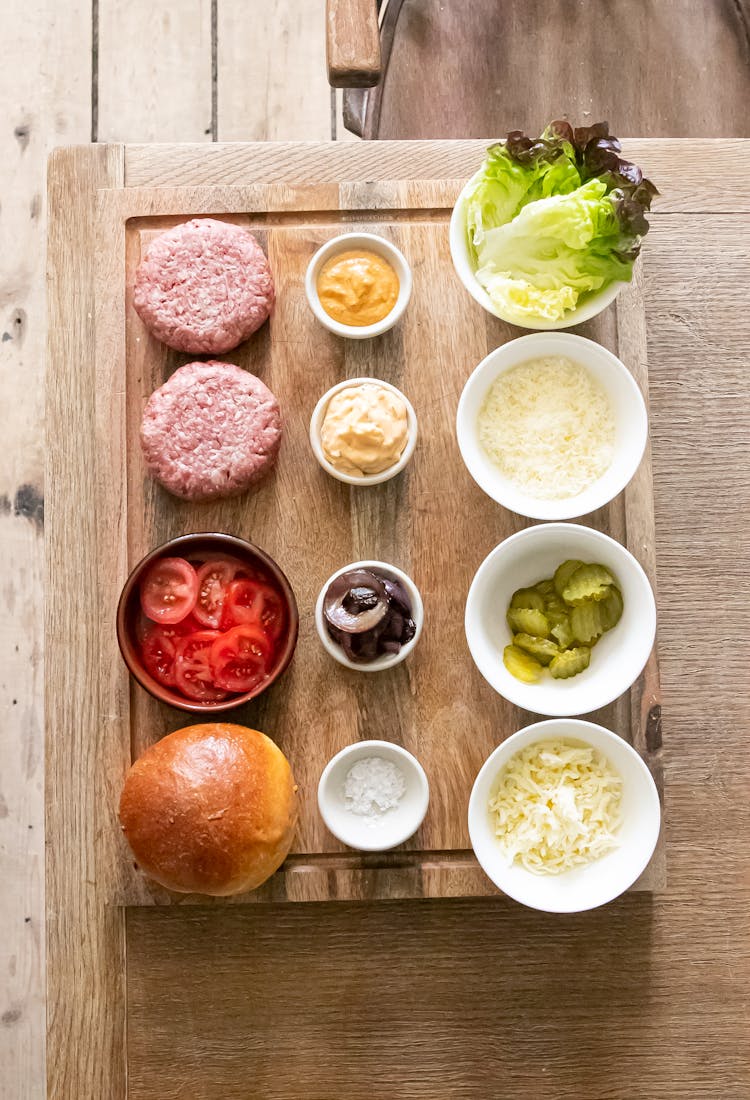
{"points": [[211, 430], [204, 286]]}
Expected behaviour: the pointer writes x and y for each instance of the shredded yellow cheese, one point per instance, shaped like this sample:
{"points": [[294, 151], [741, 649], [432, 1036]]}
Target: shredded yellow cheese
{"points": [[556, 805], [549, 427]]}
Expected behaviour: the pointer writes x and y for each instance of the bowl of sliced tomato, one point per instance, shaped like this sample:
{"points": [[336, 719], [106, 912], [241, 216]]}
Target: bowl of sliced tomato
{"points": [[206, 622]]}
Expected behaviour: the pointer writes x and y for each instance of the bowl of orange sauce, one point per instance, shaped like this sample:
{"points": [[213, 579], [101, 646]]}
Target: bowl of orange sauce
{"points": [[358, 285]]}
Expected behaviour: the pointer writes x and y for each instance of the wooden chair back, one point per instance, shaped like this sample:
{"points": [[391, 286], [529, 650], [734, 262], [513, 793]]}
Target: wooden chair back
{"points": [[477, 68]]}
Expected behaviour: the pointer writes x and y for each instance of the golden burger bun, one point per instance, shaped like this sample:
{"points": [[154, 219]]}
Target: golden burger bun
{"points": [[210, 809]]}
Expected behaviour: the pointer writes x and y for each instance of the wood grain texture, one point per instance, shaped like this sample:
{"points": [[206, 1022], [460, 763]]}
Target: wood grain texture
{"points": [[352, 43], [271, 84], [37, 113], [657, 68], [436, 704], [85, 934], [155, 71], [460, 999], [719, 187]]}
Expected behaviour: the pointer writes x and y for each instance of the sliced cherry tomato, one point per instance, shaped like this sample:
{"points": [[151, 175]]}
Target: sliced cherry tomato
{"points": [[145, 627], [240, 658], [169, 590], [158, 648], [253, 601], [192, 667], [214, 579]]}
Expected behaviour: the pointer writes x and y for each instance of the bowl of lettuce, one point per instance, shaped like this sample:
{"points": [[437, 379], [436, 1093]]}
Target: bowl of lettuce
{"points": [[546, 233]]}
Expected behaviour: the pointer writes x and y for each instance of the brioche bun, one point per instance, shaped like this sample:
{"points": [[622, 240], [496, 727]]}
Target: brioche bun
{"points": [[210, 809]]}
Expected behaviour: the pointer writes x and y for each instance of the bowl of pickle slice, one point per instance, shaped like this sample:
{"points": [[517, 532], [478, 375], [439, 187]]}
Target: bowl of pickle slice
{"points": [[560, 619]]}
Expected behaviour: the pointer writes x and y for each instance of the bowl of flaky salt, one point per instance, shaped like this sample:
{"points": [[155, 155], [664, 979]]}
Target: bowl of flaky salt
{"points": [[373, 795]]}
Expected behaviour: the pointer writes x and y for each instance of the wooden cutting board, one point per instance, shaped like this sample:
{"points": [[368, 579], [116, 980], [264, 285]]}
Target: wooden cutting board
{"points": [[432, 521]]}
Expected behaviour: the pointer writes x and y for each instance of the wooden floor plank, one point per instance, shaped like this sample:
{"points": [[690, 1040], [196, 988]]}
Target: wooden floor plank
{"points": [[272, 83], [38, 112], [154, 71]]}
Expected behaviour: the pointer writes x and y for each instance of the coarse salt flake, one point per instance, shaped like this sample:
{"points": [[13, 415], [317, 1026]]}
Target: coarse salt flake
{"points": [[372, 787]]}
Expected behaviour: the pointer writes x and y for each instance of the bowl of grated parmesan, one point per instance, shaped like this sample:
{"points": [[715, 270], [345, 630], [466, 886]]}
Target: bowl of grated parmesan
{"points": [[564, 816], [552, 425]]}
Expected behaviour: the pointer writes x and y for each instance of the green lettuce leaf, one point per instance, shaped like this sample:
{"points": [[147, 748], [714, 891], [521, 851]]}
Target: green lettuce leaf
{"points": [[507, 185], [553, 251], [555, 217]]}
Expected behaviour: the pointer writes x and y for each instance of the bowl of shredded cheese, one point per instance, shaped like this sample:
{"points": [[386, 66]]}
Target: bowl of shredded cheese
{"points": [[552, 425], [564, 816]]}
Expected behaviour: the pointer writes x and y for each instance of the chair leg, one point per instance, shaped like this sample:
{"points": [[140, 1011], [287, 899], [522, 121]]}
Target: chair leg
{"points": [[355, 109], [361, 107]]}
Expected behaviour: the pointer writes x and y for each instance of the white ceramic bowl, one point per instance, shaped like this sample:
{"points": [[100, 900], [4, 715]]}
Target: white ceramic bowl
{"points": [[522, 560], [582, 887], [628, 407], [462, 261], [372, 243], [316, 423], [387, 660], [396, 825]]}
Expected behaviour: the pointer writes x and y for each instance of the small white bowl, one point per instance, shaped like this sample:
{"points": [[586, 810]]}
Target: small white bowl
{"points": [[316, 424], [396, 825], [598, 882], [628, 408], [526, 558], [387, 660], [592, 304], [372, 243]]}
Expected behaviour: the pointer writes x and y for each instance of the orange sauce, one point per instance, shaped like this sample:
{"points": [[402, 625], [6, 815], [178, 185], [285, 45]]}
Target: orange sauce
{"points": [[357, 288]]}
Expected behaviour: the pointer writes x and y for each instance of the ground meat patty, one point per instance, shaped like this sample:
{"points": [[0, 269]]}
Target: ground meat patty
{"points": [[211, 430], [204, 286]]}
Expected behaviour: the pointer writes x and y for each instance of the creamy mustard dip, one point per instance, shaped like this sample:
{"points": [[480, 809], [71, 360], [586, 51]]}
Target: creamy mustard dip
{"points": [[357, 288], [364, 429]]}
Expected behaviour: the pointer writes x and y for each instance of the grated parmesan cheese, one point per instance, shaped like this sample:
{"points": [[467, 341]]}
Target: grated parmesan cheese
{"points": [[548, 425], [556, 806]]}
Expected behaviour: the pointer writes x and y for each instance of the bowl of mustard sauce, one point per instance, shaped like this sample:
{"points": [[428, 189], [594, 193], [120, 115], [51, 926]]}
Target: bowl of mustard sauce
{"points": [[363, 431], [358, 285]]}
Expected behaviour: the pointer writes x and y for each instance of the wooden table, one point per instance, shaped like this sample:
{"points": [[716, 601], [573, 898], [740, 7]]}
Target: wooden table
{"points": [[428, 999]]}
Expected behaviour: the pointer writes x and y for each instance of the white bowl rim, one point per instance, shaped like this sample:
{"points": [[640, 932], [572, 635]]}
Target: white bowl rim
{"points": [[386, 660], [383, 247], [316, 422], [375, 746], [540, 731], [565, 507], [515, 691], [592, 307]]}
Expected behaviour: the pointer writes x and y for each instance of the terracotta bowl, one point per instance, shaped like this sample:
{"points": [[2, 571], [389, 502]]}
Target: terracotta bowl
{"points": [[208, 544]]}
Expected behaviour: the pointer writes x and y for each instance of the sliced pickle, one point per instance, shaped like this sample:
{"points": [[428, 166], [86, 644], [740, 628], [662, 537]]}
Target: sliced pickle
{"points": [[570, 662], [527, 620], [527, 597], [555, 617], [521, 665], [610, 608], [564, 572], [553, 605], [588, 582], [563, 633], [545, 589], [586, 622], [541, 648]]}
